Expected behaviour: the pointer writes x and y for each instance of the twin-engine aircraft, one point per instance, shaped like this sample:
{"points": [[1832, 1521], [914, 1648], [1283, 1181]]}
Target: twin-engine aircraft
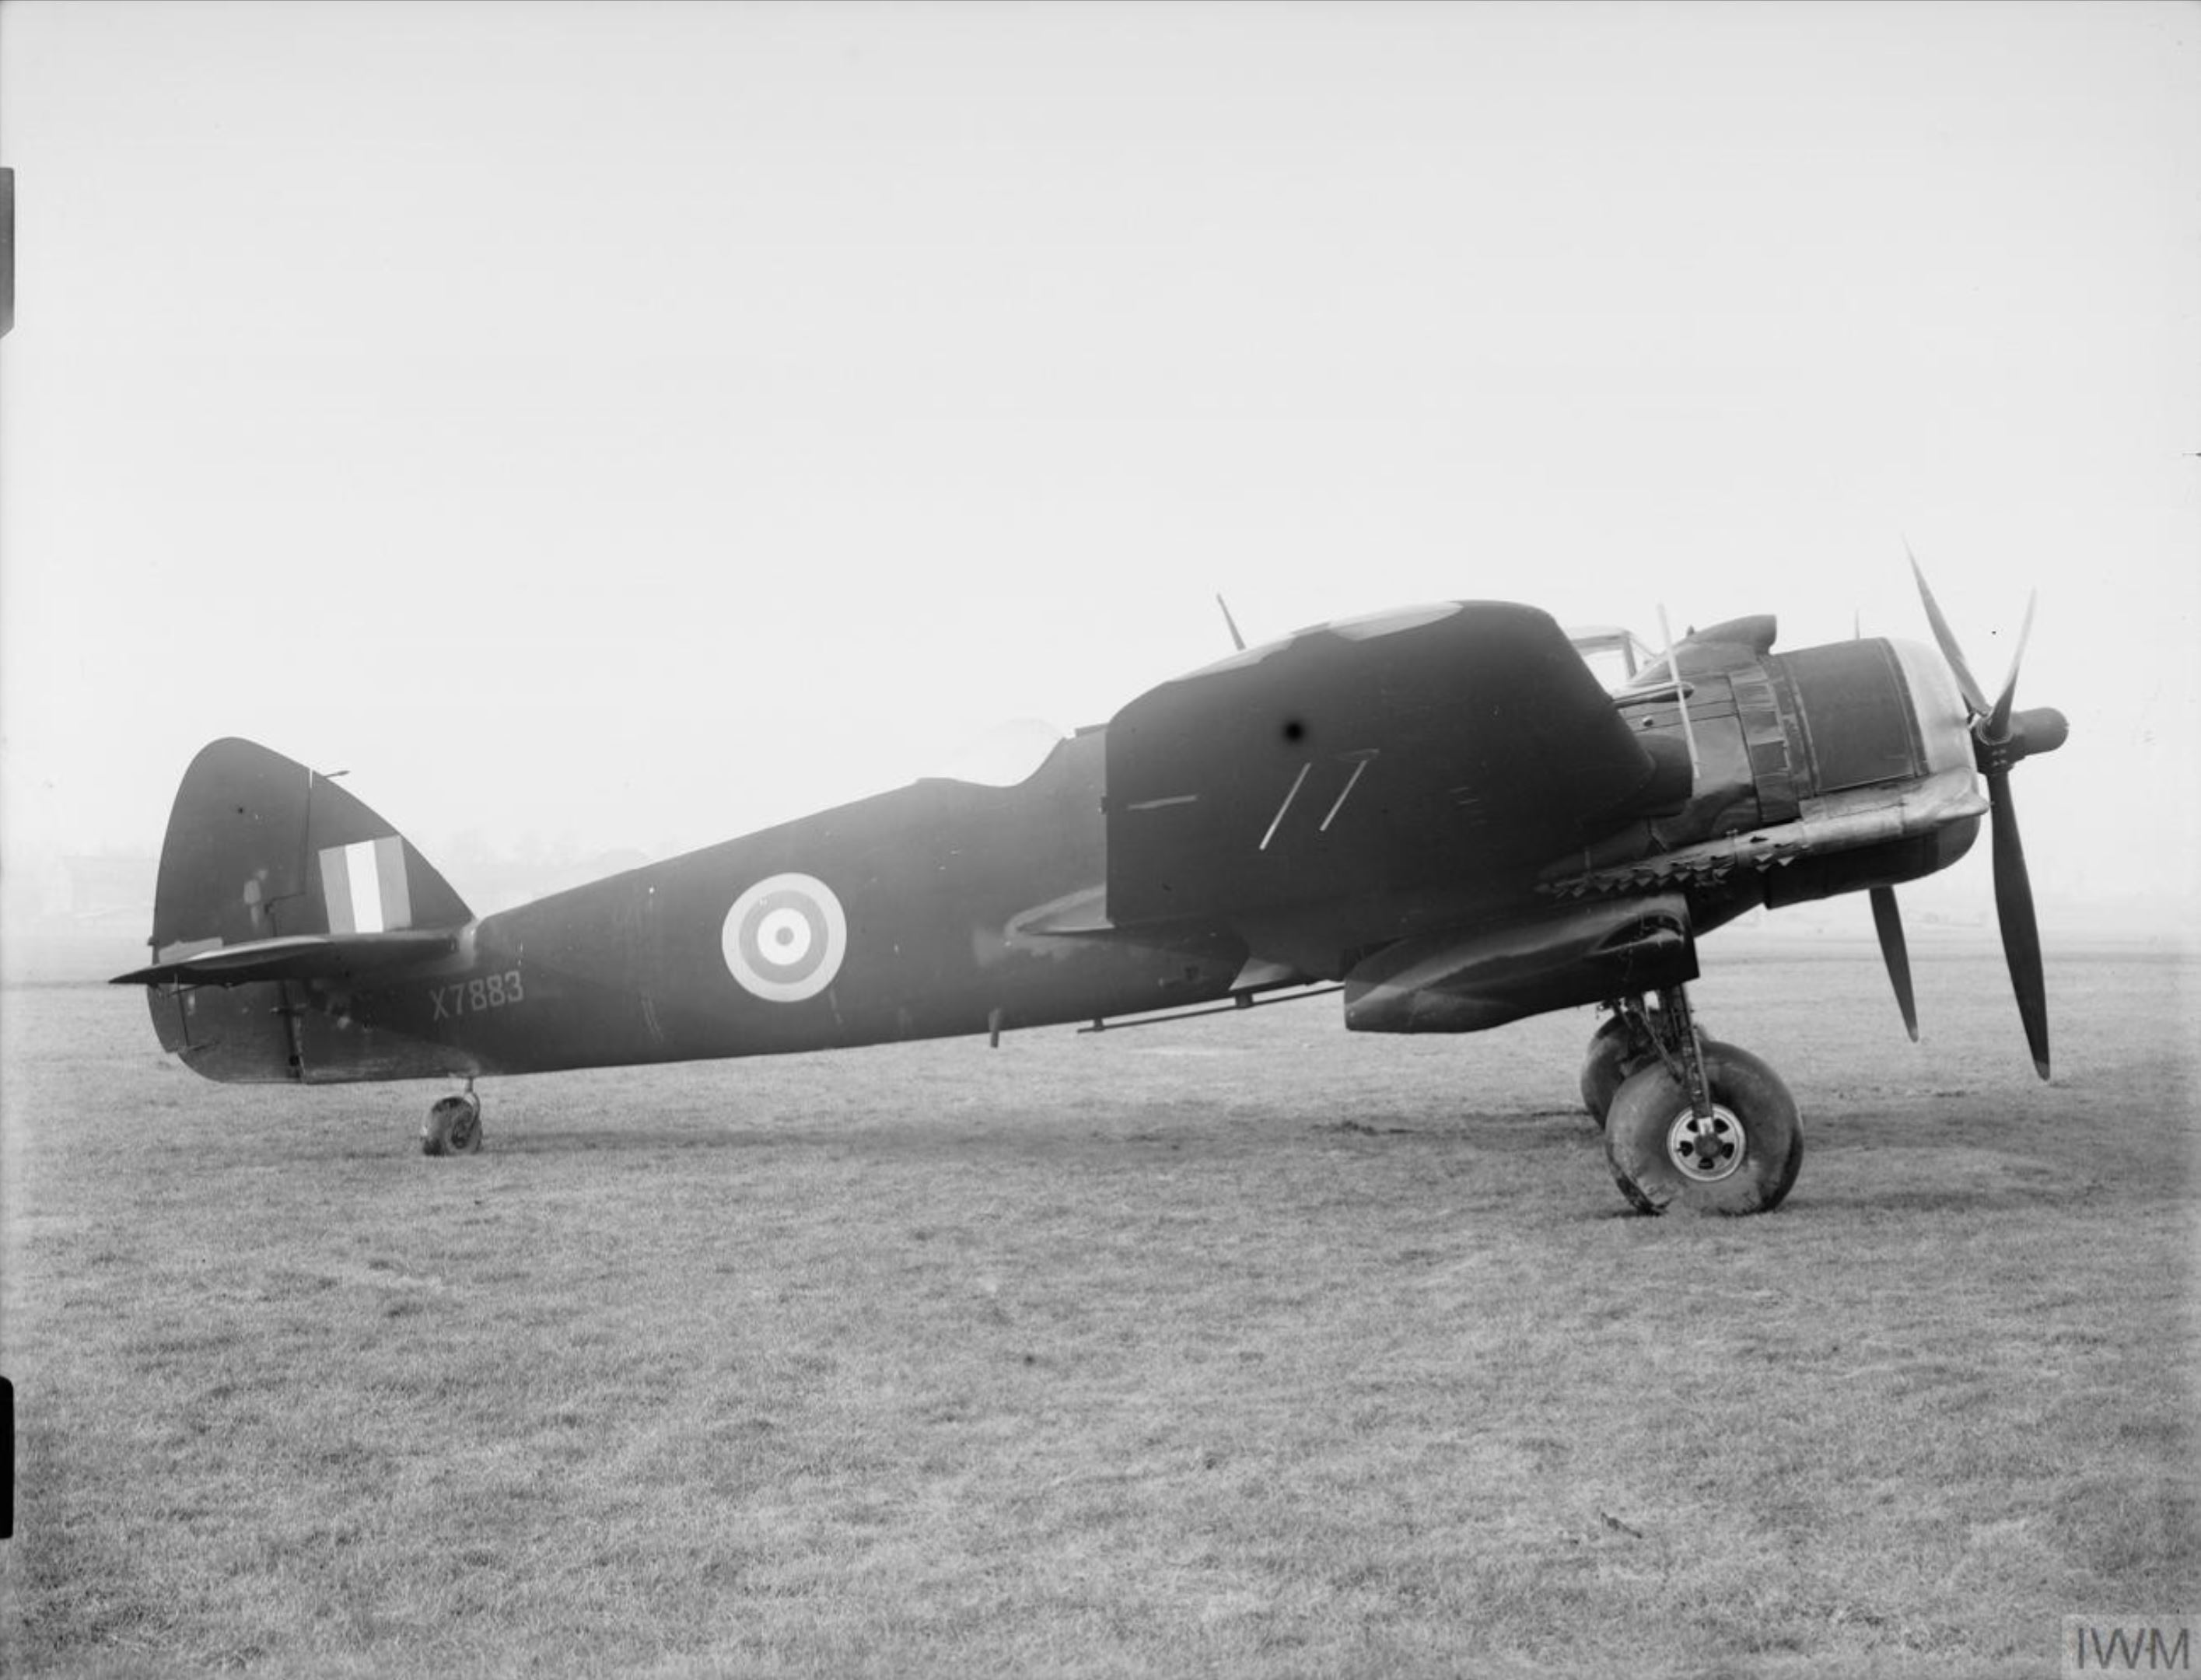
{"points": [[1440, 812]]}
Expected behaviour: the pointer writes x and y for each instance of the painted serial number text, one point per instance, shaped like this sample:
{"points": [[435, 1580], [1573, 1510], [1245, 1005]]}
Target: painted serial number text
{"points": [[471, 997]]}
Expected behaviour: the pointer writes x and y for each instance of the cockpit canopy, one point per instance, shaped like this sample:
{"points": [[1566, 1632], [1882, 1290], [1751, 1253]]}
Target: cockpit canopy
{"points": [[1615, 655]]}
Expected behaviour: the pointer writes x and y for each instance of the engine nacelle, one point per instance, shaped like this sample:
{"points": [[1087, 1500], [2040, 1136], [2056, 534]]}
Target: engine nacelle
{"points": [[1823, 770]]}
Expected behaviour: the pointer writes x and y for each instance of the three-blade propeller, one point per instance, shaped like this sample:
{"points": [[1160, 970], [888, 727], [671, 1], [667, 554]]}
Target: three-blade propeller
{"points": [[2000, 737]]}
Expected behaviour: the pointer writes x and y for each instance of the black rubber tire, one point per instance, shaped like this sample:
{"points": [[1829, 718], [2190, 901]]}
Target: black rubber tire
{"points": [[453, 1127], [1617, 1050], [1759, 1139]]}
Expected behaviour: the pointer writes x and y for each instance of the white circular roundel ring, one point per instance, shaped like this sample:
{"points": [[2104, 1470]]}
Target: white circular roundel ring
{"points": [[785, 937]]}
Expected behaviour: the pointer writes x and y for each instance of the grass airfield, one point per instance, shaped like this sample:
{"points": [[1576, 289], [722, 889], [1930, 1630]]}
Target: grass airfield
{"points": [[1240, 1345]]}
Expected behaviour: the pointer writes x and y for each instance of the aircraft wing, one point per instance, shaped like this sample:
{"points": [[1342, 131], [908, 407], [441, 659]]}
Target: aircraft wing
{"points": [[1367, 756], [305, 956]]}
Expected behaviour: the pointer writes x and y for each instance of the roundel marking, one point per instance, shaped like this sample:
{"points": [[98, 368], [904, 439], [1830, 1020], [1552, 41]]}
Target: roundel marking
{"points": [[784, 938]]}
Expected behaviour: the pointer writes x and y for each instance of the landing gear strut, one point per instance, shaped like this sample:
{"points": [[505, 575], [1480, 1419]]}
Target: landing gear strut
{"points": [[454, 1125], [1698, 1125]]}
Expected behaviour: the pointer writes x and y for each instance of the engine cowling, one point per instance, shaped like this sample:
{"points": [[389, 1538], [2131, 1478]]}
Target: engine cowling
{"points": [[1823, 771]]}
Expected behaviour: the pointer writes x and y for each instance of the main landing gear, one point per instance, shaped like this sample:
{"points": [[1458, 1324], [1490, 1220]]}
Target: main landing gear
{"points": [[454, 1125], [1689, 1123]]}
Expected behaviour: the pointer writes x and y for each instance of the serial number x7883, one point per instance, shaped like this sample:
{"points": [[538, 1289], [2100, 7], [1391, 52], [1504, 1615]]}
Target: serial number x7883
{"points": [[470, 997]]}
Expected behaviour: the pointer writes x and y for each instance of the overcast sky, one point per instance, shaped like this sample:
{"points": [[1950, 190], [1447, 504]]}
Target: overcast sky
{"points": [[609, 426]]}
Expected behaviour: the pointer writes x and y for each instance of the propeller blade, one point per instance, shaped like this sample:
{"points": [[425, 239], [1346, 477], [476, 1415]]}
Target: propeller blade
{"points": [[1887, 922], [2021, 933], [2000, 739], [1998, 729], [1966, 685]]}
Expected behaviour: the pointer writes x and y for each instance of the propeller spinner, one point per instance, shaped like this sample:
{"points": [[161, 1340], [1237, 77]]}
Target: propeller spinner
{"points": [[2000, 738]]}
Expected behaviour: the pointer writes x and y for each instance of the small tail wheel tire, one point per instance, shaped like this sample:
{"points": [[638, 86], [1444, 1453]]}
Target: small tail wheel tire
{"points": [[1617, 1050], [1740, 1158], [453, 1127]]}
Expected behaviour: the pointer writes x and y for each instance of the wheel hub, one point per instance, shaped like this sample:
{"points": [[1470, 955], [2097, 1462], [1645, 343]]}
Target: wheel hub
{"points": [[1707, 1147]]}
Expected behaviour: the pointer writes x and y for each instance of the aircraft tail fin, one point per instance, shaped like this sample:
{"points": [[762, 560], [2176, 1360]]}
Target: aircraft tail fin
{"points": [[272, 875]]}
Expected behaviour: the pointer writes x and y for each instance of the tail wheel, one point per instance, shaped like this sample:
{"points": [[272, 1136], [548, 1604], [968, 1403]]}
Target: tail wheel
{"points": [[1739, 1159], [453, 1127], [1617, 1050]]}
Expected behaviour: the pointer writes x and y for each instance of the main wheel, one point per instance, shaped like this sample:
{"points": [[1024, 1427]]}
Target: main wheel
{"points": [[1617, 1050], [453, 1127], [1741, 1159]]}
